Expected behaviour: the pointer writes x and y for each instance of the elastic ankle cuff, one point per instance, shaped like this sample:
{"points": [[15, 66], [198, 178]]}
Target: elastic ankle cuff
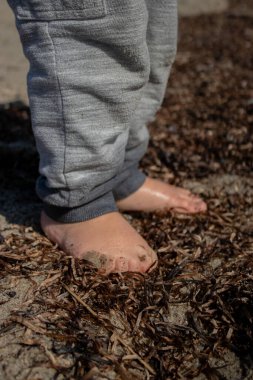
{"points": [[91, 210], [134, 180]]}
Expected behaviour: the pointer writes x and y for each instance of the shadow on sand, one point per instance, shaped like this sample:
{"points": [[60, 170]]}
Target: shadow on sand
{"points": [[18, 168]]}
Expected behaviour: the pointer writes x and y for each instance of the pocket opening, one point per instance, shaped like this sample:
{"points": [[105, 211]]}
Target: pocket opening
{"points": [[49, 10]]}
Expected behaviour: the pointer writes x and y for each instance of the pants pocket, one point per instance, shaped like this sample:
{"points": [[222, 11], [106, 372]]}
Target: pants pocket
{"points": [[58, 9]]}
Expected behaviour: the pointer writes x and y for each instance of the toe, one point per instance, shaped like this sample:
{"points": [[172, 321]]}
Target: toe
{"points": [[141, 263], [94, 257], [191, 206], [121, 265], [147, 259], [200, 206], [187, 194], [104, 263]]}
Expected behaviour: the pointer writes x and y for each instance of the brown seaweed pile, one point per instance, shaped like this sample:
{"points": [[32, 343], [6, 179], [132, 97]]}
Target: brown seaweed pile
{"points": [[192, 318]]}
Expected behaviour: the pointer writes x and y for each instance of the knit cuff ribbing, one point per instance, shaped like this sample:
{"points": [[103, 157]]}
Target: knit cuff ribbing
{"points": [[91, 210]]}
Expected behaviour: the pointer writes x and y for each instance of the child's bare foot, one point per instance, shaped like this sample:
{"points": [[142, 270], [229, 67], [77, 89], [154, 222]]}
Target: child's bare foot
{"points": [[155, 195], [108, 241]]}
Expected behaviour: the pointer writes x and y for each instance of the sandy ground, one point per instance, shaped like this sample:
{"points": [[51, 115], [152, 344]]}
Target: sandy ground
{"points": [[15, 213], [13, 65]]}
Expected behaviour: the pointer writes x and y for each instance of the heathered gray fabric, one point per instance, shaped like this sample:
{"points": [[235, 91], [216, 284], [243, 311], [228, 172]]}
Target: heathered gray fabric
{"points": [[98, 71], [161, 40]]}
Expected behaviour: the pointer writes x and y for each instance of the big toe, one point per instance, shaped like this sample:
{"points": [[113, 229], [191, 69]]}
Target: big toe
{"points": [[197, 204], [144, 259], [192, 204]]}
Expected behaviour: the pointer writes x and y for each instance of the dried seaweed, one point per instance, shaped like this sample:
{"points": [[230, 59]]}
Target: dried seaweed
{"points": [[195, 310]]}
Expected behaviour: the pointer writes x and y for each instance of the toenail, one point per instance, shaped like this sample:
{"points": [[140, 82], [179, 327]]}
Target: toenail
{"points": [[200, 207]]}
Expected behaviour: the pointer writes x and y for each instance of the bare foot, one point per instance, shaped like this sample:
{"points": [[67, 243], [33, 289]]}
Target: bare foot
{"points": [[108, 242], [155, 195]]}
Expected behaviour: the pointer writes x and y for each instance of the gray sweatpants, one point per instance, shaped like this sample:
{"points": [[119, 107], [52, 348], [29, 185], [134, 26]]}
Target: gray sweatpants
{"points": [[98, 73]]}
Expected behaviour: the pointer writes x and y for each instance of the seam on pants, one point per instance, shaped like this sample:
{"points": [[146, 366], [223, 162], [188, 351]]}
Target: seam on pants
{"points": [[62, 110]]}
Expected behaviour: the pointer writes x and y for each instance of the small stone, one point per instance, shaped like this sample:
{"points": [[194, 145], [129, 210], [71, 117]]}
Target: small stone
{"points": [[11, 294]]}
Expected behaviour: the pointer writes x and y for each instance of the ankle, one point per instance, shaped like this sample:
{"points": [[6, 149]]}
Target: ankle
{"points": [[50, 227]]}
